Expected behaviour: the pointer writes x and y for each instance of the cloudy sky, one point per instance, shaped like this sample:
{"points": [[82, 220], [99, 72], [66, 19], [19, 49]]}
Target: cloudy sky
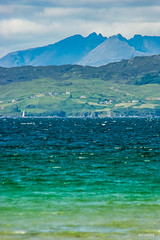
{"points": [[31, 23]]}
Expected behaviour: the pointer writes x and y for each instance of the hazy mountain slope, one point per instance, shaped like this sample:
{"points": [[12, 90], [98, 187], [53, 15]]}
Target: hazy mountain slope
{"points": [[94, 50], [67, 51], [146, 44], [113, 49]]}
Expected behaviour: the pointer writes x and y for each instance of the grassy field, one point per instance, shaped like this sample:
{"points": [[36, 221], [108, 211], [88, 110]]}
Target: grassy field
{"points": [[126, 88], [78, 97]]}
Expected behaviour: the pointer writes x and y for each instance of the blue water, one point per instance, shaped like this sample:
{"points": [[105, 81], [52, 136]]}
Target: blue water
{"points": [[79, 179]]}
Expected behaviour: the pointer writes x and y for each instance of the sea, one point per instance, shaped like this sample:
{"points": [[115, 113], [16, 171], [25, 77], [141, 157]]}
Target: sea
{"points": [[74, 179]]}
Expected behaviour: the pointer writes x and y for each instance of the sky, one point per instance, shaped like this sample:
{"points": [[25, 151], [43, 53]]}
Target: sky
{"points": [[32, 23]]}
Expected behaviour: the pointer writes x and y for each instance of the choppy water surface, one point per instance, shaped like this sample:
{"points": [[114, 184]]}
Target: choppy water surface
{"points": [[68, 179]]}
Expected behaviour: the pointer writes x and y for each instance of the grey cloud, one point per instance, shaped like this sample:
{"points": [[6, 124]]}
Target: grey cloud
{"points": [[83, 3]]}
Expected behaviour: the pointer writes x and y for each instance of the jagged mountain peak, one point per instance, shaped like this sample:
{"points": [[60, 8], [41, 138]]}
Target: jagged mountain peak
{"points": [[66, 51], [113, 49], [117, 37], [95, 35], [92, 50]]}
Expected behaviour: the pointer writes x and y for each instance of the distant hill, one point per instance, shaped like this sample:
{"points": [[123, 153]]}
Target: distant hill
{"points": [[67, 51], [131, 71], [126, 88]]}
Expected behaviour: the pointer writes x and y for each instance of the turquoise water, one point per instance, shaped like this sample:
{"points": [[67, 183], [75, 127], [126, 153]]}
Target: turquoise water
{"points": [[68, 179]]}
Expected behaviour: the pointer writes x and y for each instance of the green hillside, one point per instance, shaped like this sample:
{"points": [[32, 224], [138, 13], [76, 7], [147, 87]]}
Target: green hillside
{"points": [[127, 88]]}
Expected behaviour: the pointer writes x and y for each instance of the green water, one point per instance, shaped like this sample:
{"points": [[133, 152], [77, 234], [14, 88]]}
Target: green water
{"points": [[68, 179]]}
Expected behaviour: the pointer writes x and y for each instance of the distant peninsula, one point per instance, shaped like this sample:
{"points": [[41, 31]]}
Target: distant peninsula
{"points": [[126, 88]]}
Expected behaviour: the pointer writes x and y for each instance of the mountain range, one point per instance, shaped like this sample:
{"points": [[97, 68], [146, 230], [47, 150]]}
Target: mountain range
{"points": [[66, 51], [93, 50]]}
